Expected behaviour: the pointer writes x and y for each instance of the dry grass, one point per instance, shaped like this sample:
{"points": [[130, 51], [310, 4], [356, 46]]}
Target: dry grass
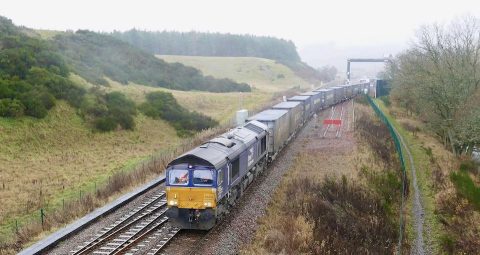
{"points": [[220, 106], [53, 158], [453, 224], [333, 200], [118, 183]]}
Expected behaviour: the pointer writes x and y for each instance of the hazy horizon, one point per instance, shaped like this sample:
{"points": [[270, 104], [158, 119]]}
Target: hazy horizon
{"points": [[338, 25]]}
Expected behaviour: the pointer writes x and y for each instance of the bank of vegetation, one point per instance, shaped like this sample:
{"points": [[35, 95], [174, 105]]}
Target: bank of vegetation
{"points": [[315, 214], [32, 75], [436, 94]]}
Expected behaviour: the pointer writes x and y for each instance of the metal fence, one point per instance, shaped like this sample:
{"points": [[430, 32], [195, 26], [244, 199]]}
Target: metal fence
{"points": [[398, 147]]}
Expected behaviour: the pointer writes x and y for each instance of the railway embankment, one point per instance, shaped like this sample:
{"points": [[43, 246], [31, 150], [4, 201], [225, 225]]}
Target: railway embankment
{"points": [[340, 194], [449, 189]]}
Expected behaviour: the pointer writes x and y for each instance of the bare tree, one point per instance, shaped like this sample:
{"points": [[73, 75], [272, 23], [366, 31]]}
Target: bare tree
{"points": [[438, 75]]}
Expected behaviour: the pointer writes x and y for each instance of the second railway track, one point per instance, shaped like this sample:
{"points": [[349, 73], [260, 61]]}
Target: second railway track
{"points": [[131, 233]]}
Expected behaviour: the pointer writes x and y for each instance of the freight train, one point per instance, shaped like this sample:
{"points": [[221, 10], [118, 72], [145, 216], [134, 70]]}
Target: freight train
{"points": [[203, 184]]}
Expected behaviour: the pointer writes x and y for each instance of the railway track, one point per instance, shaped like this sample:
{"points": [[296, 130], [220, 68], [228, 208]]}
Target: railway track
{"points": [[337, 112], [131, 234]]}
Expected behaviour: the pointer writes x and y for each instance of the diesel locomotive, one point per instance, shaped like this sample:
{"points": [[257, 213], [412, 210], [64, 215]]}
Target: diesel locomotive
{"points": [[204, 183]]}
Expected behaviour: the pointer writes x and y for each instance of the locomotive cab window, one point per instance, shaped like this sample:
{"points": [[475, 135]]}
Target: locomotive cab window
{"points": [[220, 177], [178, 177], [202, 177]]}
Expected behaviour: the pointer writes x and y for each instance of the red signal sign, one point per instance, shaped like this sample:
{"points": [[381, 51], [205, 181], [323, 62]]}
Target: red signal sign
{"points": [[337, 122]]}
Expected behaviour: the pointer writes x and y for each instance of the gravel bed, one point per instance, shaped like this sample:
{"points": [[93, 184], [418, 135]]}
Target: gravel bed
{"points": [[88, 233]]}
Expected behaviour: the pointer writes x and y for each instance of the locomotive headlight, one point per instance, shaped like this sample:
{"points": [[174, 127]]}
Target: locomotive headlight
{"points": [[208, 204]]}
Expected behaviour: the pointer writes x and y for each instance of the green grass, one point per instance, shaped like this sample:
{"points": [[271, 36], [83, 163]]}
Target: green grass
{"points": [[424, 181], [46, 160]]}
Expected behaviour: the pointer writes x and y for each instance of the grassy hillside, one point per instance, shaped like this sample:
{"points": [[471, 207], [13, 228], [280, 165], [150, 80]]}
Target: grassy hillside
{"points": [[42, 158], [94, 56], [262, 74]]}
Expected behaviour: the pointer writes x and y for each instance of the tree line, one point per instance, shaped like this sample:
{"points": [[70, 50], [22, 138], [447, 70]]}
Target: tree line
{"points": [[210, 44], [438, 78]]}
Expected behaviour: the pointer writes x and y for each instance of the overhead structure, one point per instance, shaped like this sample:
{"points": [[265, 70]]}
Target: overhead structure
{"points": [[368, 60]]}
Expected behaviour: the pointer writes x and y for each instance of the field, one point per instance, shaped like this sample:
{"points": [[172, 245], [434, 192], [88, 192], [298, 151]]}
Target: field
{"points": [[262, 74], [59, 157], [43, 158]]}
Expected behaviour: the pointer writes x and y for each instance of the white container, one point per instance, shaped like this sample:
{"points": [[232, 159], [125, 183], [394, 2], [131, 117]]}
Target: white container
{"points": [[241, 117]]}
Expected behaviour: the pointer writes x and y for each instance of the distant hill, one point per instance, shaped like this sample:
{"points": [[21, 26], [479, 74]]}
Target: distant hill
{"points": [[220, 45], [93, 56], [210, 44]]}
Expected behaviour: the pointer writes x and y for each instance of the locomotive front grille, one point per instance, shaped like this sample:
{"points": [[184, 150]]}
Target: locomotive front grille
{"points": [[191, 197]]}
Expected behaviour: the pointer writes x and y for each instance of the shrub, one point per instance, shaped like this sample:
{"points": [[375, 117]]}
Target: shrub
{"points": [[469, 166], [466, 187], [11, 108], [126, 121], [34, 106], [346, 216], [105, 124], [163, 105]]}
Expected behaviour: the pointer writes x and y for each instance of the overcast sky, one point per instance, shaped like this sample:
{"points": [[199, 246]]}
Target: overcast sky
{"points": [[356, 22]]}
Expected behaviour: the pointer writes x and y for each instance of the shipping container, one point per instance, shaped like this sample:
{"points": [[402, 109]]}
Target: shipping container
{"points": [[277, 122], [316, 100], [307, 105], [338, 94], [295, 110], [326, 97]]}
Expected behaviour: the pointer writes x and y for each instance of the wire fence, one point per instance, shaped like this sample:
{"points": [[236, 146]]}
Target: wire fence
{"points": [[398, 147]]}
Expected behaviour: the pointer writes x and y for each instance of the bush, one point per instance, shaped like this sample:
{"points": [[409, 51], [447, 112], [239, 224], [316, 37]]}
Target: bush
{"points": [[126, 121], [469, 166], [105, 124], [466, 187], [345, 216], [11, 108], [163, 105], [110, 110], [34, 106]]}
